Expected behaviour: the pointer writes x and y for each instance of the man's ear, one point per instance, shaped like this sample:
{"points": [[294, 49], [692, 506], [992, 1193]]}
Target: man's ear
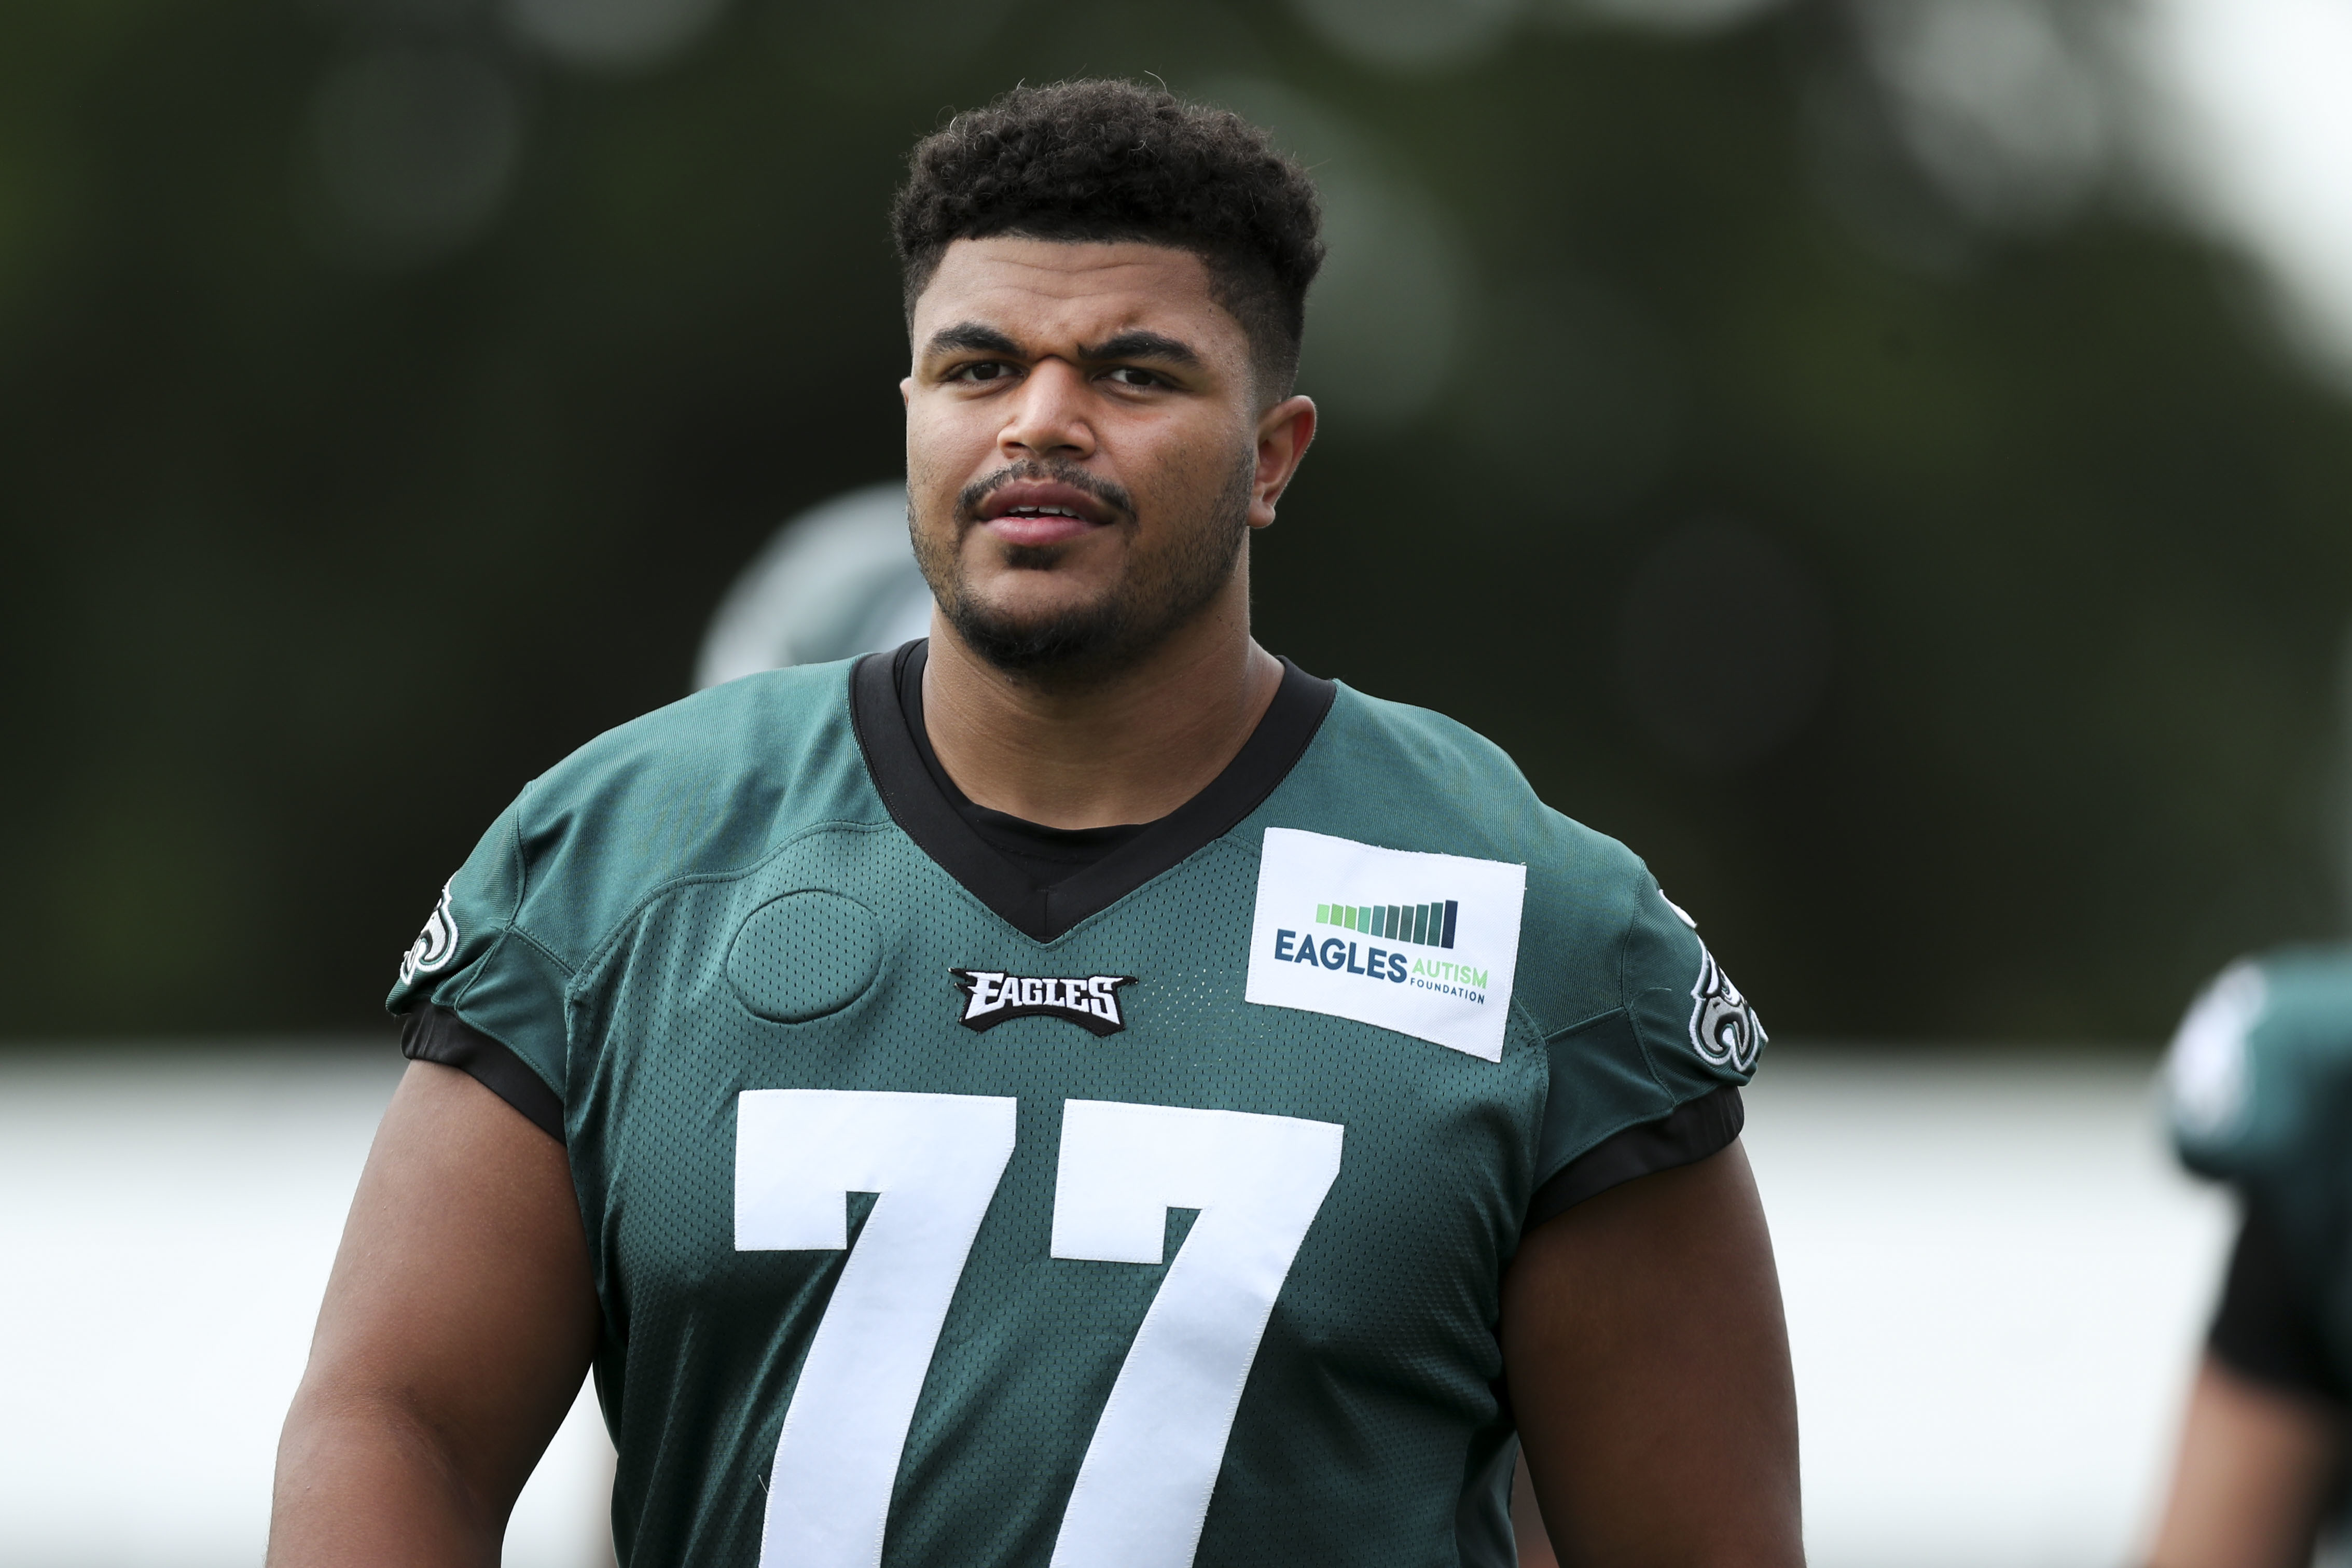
{"points": [[1284, 434]]}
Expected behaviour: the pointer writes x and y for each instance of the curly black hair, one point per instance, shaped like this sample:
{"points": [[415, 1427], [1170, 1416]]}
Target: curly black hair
{"points": [[1096, 160]]}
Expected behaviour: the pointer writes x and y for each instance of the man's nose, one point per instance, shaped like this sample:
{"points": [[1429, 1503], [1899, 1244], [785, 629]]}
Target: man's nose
{"points": [[1048, 417]]}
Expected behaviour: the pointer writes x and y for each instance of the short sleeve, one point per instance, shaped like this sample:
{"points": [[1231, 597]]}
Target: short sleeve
{"points": [[1653, 1084], [476, 966], [2268, 1328]]}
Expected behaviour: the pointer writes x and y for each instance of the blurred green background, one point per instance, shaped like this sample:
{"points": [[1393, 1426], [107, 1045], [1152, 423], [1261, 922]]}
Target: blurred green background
{"points": [[1890, 522]]}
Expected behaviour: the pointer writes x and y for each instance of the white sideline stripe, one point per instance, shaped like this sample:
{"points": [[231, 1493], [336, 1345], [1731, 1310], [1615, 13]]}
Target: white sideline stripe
{"points": [[167, 1219]]}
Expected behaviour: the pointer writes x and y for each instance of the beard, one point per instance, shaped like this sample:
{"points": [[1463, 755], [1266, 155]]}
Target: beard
{"points": [[1151, 600]]}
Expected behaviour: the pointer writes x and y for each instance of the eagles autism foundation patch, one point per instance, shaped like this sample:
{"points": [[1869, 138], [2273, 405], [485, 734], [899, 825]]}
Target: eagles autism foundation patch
{"points": [[1422, 944]]}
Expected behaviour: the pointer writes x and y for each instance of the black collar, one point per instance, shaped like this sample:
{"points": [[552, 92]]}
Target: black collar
{"points": [[916, 804]]}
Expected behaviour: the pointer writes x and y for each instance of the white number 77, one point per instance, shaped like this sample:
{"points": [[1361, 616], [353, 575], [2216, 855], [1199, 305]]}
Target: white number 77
{"points": [[1143, 1488]]}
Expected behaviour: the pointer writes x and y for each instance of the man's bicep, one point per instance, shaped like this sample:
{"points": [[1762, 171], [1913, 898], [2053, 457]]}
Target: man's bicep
{"points": [[2261, 1444], [461, 1299], [2253, 1479], [1648, 1366]]}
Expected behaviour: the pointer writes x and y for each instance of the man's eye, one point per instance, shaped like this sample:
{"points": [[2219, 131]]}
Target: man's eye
{"points": [[980, 370], [1134, 376]]}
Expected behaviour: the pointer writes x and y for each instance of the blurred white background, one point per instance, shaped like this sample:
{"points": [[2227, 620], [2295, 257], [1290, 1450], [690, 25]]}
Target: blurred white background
{"points": [[2252, 124], [167, 1220], [1997, 1282]]}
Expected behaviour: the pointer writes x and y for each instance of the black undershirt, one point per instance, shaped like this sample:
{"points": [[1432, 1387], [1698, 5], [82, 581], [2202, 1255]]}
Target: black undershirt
{"points": [[1048, 856], [2268, 1328], [1090, 872]]}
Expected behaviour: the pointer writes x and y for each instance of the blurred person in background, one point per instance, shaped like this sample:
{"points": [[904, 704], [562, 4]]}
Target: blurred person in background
{"points": [[976, 1104], [2260, 1091]]}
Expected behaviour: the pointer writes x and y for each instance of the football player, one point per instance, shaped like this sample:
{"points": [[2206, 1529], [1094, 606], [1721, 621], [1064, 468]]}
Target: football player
{"points": [[2260, 1082], [1078, 1089]]}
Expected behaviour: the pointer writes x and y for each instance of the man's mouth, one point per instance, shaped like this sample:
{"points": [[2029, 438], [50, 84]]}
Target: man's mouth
{"points": [[1028, 512]]}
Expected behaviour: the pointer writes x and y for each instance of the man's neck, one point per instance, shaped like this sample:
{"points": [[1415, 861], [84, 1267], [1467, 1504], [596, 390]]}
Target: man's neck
{"points": [[1130, 748]]}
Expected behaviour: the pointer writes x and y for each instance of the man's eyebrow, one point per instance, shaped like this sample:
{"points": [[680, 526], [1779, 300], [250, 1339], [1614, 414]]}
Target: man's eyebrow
{"points": [[971, 338], [1142, 345]]}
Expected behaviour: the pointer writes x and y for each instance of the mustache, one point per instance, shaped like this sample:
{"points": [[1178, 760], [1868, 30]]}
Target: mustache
{"points": [[1043, 471]]}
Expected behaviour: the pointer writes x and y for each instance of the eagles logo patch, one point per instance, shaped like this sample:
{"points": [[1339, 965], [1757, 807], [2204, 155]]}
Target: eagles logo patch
{"points": [[1089, 1001], [434, 945], [1724, 1028]]}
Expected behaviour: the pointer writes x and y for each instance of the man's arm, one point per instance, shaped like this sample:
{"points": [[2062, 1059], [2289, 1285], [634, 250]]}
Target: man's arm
{"points": [[458, 1322], [2253, 1479], [1648, 1364]]}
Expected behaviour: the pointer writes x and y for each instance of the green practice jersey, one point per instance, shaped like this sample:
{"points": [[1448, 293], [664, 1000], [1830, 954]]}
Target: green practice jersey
{"points": [[1154, 1218]]}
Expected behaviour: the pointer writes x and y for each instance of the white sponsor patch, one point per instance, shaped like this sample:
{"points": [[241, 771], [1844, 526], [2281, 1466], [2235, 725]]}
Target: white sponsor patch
{"points": [[1424, 945]]}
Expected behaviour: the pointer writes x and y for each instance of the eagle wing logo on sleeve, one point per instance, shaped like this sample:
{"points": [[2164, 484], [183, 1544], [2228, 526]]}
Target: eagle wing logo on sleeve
{"points": [[434, 945], [1724, 1028]]}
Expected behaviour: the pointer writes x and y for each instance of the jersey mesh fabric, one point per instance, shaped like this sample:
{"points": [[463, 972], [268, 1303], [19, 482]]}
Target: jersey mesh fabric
{"points": [[803, 954], [1368, 1429]]}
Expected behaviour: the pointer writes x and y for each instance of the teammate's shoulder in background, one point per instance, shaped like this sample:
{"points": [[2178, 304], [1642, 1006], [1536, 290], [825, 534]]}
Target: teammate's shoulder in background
{"points": [[2259, 1076]]}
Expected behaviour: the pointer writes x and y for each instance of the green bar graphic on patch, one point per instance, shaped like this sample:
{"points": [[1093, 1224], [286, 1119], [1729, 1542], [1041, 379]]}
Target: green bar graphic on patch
{"points": [[1422, 925]]}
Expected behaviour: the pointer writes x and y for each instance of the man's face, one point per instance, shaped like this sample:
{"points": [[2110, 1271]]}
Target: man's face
{"points": [[1083, 448]]}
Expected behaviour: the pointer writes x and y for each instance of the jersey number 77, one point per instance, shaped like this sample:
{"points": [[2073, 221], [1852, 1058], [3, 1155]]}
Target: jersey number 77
{"points": [[935, 1161]]}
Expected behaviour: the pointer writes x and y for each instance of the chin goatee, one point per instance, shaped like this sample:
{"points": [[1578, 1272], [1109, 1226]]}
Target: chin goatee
{"points": [[1118, 630]]}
